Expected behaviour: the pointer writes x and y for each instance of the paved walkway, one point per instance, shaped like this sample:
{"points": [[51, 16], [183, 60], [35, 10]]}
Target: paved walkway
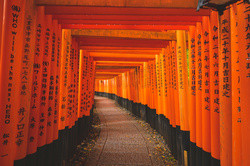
{"points": [[122, 139]]}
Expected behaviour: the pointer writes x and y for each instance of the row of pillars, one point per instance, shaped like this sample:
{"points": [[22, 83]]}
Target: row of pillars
{"points": [[46, 82], [200, 84]]}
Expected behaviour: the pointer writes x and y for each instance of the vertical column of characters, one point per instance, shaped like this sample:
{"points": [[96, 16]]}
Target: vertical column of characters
{"points": [[65, 55], [244, 67], [132, 90], [123, 85], [144, 83], [214, 86], [70, 89], [87, 85], [10, 67], [162, 77], [198, 89], [236, 122], [57, 80], [46, 66], [147, 88], [225, 90], [93, 78], [80, 88], [76, 61], [75, 81], [182, 76], [52, 83], [169, 77], [72, 85], [128, 85], [166, 83], [157, 70], [26, 74], [172, 101], [183, 90], [141, 81], [84, 79], [155, 85], [76, 73], [192, 84], [36, 83], [150, 102], [175, 83], [206, 129], [91, 81], [137, 78]]}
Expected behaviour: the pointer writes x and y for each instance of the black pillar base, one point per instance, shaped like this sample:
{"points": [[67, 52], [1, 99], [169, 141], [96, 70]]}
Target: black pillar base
{"points": [[198, 156], [206, 158]]}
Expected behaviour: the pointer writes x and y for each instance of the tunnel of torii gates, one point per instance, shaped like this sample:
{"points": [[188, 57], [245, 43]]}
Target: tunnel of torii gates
{"points": [[187, 73]]}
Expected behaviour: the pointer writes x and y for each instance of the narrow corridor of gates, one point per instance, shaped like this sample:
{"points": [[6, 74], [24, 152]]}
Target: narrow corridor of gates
{"points": [[185, 72]]}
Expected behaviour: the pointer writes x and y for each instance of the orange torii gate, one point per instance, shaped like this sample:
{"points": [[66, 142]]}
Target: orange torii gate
{"points": [[185, 72]]}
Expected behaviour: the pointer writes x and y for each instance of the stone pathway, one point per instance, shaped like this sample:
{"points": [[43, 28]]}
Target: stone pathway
{"points": [[122, 140]]}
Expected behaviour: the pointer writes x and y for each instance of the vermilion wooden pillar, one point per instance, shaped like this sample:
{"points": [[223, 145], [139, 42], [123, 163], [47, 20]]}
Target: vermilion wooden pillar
{"points": [[175, 84], [236, 98], [36, 85], [206, 129], [225, 90], [214, 89], [182, 78], [52, 84], [26, 74], [57, 81], [65, 55], [198, 72], [244, 67], [10, 66], [158, 82], [192, 93], [183, 89], [46, 66]]}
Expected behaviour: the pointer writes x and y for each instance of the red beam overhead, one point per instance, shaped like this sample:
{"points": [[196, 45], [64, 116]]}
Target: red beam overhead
{"points": [[92, 48], [122, 42], [126, 51], [130, 18], [113, 70], [86, 10], [127, 27], [119, 22], [118, 64], [123, 59]]}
